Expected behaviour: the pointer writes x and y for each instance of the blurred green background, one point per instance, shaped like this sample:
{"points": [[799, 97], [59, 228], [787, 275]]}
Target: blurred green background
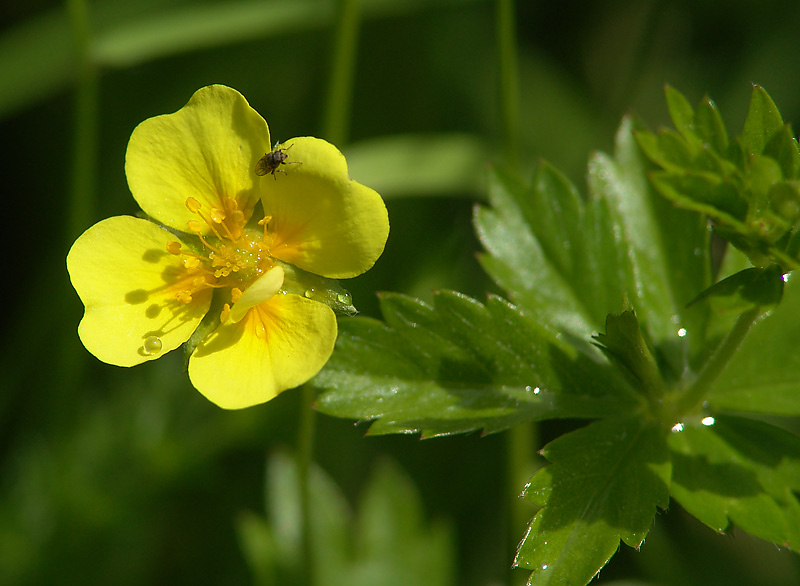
{"points": [[119, 476]]}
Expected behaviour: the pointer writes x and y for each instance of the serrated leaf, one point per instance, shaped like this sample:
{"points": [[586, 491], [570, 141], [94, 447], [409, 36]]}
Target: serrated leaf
{"points": [[603, 485], [763, 121], [764, 376], [667, 249], [734, 470], [460, 365], [518, 262], [623, 343]]}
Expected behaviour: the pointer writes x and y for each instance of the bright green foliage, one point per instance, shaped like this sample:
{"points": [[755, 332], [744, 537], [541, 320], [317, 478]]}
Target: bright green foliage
{"points": [[748, 186], [603, 485], [625, 347], [615, 317], [765, 376], [386, 542], [460, 366], [730, 470]]}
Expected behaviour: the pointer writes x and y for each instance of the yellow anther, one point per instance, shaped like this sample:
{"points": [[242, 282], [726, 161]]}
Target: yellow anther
{"points": [[184, 297], [193, 205], [173, 247], [225, 313], [195, 226], [236, 294], [237, 217], [191, 263], [217, 216]]}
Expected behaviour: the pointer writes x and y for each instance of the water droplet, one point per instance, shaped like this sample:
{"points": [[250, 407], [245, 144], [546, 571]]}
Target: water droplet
{"points": [[707, 421], [309, 293], [677, 427], [681, 332], [544, 566], [152, 345], [344, 298], [536, 390]]}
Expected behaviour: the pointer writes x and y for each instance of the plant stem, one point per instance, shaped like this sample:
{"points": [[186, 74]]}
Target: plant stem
{"points": [[509, 79], [695, 394], [343, 65], [84, 150], [521, 463], [305, 450]]}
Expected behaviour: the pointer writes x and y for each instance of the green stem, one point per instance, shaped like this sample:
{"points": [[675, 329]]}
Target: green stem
{"points": [[84, 150], [343, 66], [509, 79], [521, 464], [695, 394], [305, 450]]}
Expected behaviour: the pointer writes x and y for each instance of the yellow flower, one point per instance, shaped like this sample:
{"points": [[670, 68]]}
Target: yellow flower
{"points": [[226, 261]]}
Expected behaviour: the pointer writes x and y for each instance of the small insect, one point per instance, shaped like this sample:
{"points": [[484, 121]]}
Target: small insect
{"points": [[270, 163]]}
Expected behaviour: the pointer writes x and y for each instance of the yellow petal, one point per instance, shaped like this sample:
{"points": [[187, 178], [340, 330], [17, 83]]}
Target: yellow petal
{"points": [[278, 345], [207, 150], [260, 291], [122, 273], [322, 221]]}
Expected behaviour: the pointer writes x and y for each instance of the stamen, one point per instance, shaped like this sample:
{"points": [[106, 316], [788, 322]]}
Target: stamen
{"points": [[174, 247], [236, 294], [184, 297], [193, 205], [225, 313]]}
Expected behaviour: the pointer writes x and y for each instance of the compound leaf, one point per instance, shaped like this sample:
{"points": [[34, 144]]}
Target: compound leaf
{"points": [[459, 366]]}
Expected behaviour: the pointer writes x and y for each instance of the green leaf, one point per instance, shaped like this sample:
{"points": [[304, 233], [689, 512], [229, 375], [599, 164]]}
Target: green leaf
{"points": [[569, 263], [603, 485], [764, 376], [388, 542], [680, 111], [762, 123], [753, 287], [460, 366], [667, 250], [518, 260], [740, 471], [624, 345], [709, 126]]}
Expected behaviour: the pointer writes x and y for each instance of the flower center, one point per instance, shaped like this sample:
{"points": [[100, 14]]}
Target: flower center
{"points": [[234, 256]]}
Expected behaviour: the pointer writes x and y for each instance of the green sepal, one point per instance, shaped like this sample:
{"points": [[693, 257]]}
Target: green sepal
{"points": [[317, 288], [208, 324]]}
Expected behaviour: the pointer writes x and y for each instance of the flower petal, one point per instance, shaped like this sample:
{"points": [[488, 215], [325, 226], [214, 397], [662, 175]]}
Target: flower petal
{"points": [[207, 150], [278, 345], [322, 221], [122, 272], [257, 293]]}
